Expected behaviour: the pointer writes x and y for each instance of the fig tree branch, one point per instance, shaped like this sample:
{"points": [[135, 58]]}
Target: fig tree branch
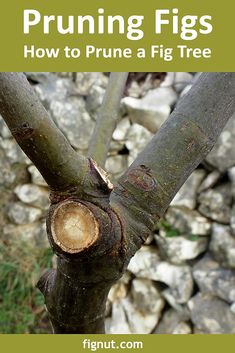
{"points": [[107, 118], [37, 135], [148, 186]]}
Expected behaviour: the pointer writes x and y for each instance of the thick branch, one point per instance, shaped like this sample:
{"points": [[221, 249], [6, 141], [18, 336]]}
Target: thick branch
{"points": [[147, 188], [107, 119], [37, 134], [87, 241], [85, 233]]}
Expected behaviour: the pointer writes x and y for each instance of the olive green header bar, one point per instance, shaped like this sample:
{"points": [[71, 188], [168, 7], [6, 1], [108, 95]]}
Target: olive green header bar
{"points": [[122, 35]]}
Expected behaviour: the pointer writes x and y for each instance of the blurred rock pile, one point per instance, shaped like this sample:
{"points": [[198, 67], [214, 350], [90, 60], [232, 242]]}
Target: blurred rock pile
{"points": [[183, 279]]}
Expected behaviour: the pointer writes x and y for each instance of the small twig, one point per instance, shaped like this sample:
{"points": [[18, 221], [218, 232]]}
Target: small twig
{"points": [[107, 118], [74, 76]]}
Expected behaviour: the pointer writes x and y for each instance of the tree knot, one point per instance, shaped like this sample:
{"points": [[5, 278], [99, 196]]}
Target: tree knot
{"points": [[23, 132]]}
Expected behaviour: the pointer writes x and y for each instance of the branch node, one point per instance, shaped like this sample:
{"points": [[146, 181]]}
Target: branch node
{"points": [[141, 178], [22, 132], [46, 281]]}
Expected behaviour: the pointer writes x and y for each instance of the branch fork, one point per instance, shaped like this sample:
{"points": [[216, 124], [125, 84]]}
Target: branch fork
{"points": [[93, 227]]}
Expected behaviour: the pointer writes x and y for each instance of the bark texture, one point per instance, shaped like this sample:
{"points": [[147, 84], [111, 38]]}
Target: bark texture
{"points": [[93, 228], [145, 191], [37, 135]]}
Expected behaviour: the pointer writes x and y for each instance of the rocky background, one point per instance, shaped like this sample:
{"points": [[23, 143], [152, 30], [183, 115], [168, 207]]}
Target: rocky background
{"points": [[183, 279]]}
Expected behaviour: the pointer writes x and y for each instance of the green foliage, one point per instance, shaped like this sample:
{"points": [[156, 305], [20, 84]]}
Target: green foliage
{"points": [[193, 237], [21, 304], [170, 231]]}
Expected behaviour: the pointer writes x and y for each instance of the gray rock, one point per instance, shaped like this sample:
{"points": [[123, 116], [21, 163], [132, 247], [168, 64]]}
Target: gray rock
{"points": [[73, 120], [108, 309], [117, 292], [121, 130], [71, 75], [147, 264], [178, 80], [140, 89], [126, 278], [7, 173], [41, 236], [209, 181], [169, 79], [231, 174], [19, 213], [149, 116], [135, 90], [211, 314], [56, 89], [183, 328], [116, 165], [33, 194], [196, 331], [68, 109], [85, 81], [232, 307], [137, 139], [143, 315], [178, 249], [4, 130], [216, 203], [40, 77], [33, 232], [222, 155], [151, 110], [172, 322], [222, 245], [188, 221], [36, 177], [181, 80], [188, 192], [232, 220], [171, 300], [117, 324], [115, 147], [13, 152], [213, 279], [94, 100], [150, 239]]}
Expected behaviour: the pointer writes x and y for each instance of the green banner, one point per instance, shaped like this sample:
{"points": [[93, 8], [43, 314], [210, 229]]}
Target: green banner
{"points": [[106, 35], [121, 343]]}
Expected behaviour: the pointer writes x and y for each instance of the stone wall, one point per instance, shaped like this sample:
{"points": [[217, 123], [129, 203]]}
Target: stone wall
{"points": [[182, 280]]}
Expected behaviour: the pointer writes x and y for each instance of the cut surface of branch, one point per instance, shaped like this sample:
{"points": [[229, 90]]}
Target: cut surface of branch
{"points": [[107, 118], [87, 242], [74, 227], [103, 175]]}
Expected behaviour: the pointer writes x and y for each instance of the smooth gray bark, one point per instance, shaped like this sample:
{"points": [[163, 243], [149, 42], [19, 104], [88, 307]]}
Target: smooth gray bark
{"points": [[180, 145], [37, 135], [107, 118]]}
